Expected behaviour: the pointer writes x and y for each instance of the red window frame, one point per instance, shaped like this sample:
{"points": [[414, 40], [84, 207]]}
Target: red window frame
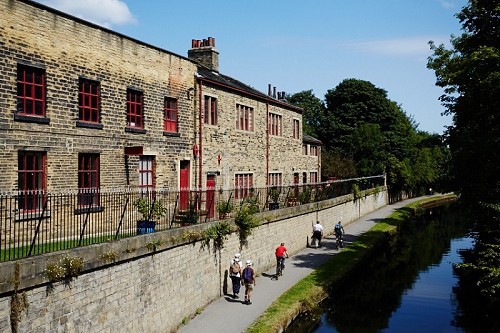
{"points": [[314, 150], [296, 129], [147, 169], [244, 118], [135, 108], [32, 180], [31, 91], [210, 108], [242, 184], [313, 177], [275, 179], [170, 115], [275, 124], [88, 179], [89, 101]]}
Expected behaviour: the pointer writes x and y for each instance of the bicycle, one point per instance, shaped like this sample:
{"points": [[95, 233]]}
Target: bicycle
{"points": [[280, 266], [339, 242]]}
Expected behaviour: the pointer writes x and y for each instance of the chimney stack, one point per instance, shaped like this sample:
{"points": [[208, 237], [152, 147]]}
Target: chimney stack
{"points": [[205, 53]]}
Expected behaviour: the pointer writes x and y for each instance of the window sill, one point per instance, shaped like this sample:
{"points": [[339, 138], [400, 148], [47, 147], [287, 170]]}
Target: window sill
{"points": [[173, 134], [29, 216], [31, 119], [89, 125], [135, 130], [85, 210]]}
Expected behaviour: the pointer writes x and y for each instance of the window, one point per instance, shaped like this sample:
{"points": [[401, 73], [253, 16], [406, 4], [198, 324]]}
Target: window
{"points": [[296, 129], [30, 91], [147, 174], [275, 179], [313, 177], [304, 149], [242, 183], [135, 116], [170, 115], [314, 150], [210, 116], [31, 177], [89, 95], [88, 180], [244, 118], [275, 124]]}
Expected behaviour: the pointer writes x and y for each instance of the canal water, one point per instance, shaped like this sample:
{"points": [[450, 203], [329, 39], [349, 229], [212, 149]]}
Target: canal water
{"points": [[406, 286]]}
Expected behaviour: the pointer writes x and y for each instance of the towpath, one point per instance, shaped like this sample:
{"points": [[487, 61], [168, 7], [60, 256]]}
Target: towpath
{"points": [[229, 315]]}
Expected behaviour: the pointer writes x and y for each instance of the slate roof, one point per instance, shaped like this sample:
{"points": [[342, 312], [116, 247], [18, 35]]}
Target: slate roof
{"points": [[231, 83], [309, 139]]}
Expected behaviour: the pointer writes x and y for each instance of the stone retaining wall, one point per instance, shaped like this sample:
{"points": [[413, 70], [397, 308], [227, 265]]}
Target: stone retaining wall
{"points": [[158, 279]]}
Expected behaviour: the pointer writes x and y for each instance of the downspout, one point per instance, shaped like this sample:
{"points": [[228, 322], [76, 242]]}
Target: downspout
{"points": [[200, 129], [267, 143], [319, 164]]}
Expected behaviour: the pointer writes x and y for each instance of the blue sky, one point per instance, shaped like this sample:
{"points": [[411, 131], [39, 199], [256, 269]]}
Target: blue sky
{"points": [[300, 45]]}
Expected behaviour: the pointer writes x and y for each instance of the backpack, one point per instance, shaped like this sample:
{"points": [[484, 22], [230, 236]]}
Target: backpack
{"points": [[337, 227], [235, 268], [247, 274]]}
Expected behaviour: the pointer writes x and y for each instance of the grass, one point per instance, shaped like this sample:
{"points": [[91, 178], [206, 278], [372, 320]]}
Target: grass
{"points": [[309, 291], [19, 252]]}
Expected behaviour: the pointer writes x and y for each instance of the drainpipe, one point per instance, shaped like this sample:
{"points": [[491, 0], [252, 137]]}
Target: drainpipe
{"points": [[200, 131], [319, 164], [267, 143]]}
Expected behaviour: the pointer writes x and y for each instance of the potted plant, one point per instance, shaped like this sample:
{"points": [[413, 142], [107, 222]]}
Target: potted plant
{"points": [[274, 195], [151, 210], [224, 208]]}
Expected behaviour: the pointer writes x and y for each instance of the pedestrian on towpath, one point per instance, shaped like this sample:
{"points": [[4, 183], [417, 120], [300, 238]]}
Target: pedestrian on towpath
{"points": [[235, 269], [248, 280]]}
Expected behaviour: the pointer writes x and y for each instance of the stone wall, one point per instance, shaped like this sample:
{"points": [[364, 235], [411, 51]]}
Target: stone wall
{"points": [[158, 279]]}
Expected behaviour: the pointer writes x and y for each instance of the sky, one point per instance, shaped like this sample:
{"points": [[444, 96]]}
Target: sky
{"points": [[300, 45]]}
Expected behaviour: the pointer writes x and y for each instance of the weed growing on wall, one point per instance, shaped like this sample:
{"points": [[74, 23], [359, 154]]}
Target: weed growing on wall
{"points": [[65, 268]]}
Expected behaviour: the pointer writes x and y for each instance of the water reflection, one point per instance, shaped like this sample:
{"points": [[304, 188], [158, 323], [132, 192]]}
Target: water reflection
{"points": [[406, 286]]}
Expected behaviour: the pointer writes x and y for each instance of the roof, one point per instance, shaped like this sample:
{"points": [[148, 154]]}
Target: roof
{"points": [[310, 139], [233, 84]]}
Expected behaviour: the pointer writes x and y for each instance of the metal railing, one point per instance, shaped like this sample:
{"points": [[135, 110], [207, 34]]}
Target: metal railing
{"points": [[59, 221]]}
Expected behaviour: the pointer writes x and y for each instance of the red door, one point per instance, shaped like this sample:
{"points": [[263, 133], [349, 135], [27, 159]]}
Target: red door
{"points": [[210, 195], [184, 186]]}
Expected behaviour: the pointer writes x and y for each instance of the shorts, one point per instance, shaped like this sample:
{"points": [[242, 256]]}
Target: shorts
{"points": [[249, 286]]}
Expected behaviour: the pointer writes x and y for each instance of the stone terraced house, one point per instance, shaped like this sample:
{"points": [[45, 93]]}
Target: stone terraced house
{"points": [[85, 108]]}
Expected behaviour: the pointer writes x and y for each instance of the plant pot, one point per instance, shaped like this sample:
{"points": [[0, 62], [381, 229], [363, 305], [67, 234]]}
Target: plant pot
{"points": [[145, 227], [274, 205]]}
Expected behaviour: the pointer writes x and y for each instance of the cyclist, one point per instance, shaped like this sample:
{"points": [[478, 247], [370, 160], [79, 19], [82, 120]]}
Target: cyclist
{"points": [[339, 231], [281, 252]]}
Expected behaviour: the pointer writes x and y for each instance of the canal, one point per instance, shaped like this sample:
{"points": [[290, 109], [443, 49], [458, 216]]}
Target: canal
{"points": [[407, 285]]}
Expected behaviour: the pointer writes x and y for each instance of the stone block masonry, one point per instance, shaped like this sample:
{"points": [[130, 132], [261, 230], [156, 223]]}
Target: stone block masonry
{"points": [[147, 291], [67, 50]]}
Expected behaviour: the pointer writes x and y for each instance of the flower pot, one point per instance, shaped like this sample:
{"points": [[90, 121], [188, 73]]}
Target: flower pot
{"points": [[274, 205], [145, 227]]}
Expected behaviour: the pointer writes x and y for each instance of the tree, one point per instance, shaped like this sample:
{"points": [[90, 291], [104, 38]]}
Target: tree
{"points": [[470, 76]]}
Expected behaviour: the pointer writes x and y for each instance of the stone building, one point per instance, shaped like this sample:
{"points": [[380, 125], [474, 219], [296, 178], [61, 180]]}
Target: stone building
{"points": [[85, 108]]}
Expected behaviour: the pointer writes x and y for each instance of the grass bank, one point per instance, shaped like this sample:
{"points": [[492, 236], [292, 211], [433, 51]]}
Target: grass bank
{"points": [[309, 291]]}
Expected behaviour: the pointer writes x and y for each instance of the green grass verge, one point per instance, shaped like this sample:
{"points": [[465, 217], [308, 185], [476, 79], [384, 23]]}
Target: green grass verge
{"points": [[309, 291]]}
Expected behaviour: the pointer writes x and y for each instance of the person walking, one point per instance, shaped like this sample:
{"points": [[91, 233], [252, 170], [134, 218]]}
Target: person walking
{"points": [[235, 269], [248, 280], [318, 233]]}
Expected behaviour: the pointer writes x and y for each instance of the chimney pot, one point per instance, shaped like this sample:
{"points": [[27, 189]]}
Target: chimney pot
{"points": [[274, 92], [269, 91]]}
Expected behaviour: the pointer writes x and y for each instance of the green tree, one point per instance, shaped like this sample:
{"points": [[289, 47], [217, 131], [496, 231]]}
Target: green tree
{"points": [[470, 76]]}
